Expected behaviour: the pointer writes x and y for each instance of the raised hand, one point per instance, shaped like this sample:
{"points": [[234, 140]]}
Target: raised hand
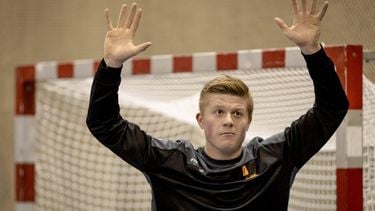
{"points": [[305, 30], [118, 43]]}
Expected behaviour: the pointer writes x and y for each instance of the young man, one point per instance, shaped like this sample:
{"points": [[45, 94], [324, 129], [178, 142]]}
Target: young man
{"points": [[222, 175]]}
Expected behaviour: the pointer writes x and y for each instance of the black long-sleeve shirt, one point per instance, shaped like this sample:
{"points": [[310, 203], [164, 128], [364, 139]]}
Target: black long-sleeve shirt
{"points": [[184, 178]]}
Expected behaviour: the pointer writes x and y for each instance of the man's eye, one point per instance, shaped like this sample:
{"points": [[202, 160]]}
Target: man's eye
{"points": [[237, 114], [219, 112]]}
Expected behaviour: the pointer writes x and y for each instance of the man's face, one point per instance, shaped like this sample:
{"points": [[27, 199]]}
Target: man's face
{"points": [[225, 121]]}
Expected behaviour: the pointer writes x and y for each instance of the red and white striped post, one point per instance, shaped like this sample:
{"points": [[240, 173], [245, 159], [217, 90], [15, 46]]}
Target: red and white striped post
{"points": [[349, 156], [25, 108]]}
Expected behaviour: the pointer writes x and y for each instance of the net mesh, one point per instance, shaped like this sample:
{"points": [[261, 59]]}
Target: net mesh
{"points": [[75, 172], [369, 144]]}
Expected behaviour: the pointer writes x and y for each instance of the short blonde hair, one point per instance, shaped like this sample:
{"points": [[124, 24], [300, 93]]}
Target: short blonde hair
{"points": [[229, 85]]}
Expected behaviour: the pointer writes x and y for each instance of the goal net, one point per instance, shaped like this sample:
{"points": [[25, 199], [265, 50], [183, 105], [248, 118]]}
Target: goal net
{"points": [[369, 144], [75, 172]]}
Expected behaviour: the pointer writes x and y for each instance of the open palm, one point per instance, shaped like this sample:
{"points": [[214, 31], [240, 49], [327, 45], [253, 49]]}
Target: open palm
{"points": [[118, 43], [305, 29]]}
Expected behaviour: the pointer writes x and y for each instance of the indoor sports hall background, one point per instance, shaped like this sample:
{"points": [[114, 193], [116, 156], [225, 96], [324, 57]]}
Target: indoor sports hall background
{"points": [[42, 30]]}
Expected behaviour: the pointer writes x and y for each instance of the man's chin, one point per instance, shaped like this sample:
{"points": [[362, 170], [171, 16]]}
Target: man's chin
{"points": [[230, 150]]}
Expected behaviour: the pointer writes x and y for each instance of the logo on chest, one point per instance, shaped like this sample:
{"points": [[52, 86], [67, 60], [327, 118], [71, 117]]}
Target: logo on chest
{"points": [[249, 170]]}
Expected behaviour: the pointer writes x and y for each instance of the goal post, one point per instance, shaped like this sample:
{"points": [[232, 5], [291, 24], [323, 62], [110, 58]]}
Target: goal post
{"points": [[181, 76], [349, 145]]}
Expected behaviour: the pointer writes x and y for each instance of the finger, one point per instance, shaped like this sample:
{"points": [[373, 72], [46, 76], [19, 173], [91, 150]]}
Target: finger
{"points": [[282, 25], [295, 7], [323, 10], [137, 18], [142, 47], [122, 16], [313, 7], [130, 18], [304, 7], [108, 19]]}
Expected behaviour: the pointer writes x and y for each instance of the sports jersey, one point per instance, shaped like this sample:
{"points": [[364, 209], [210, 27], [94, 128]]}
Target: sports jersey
{"points": [[185, 178]]}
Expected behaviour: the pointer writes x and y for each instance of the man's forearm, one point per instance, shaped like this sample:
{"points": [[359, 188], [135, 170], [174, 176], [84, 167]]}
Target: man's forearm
{"points": [[103, 109], [329, 93]]}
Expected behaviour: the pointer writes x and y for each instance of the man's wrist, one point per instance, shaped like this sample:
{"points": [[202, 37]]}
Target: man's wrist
{"points": [[111, 63], [308, 50]]}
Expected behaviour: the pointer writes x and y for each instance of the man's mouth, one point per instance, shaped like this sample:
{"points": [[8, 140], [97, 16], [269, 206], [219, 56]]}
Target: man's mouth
{"points": [[228, 133]]}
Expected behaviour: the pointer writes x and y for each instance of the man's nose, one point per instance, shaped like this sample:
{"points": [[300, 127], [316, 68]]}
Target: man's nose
{"points": [[228, 120]]}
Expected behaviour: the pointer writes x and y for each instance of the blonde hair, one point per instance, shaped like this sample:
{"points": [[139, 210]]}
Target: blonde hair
{"points": [[229, 85]]}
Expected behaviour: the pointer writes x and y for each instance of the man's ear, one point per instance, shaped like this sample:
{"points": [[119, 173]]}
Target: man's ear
{"points": [[248, 126], [199, 119]]}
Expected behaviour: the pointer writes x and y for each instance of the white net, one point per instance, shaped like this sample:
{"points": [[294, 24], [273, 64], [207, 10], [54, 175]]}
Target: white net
{"points": [[315, 185], [369, 144], [75, 172]]}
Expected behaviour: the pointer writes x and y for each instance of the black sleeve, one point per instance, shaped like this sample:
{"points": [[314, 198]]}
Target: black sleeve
{"points": [[307, 135], [104, 121]]}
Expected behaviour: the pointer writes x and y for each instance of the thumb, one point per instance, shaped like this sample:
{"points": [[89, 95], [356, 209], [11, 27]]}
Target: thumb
{"points": [[282, 25], [142, 47]]}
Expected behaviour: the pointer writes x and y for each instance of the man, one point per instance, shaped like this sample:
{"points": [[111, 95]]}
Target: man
{"points": [[222, 175]]}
